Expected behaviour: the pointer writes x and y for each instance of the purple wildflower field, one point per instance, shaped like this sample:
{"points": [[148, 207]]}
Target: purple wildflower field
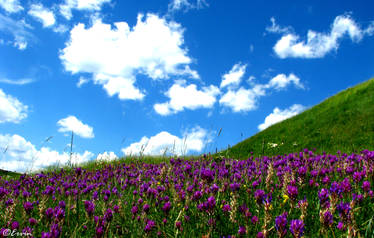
{"points": [[296, 195]]}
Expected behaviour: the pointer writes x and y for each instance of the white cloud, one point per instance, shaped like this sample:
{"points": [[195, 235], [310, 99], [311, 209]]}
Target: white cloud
{"points": [[124, 87], [166, 143], [244, 100], [11, 6], [42, 14], [71, 123], [81, 5], [370, 29], [279, 115], [233, 77], [60, 28], [240, 100], [11, 109], [16, 82], [187, 97], [82, 81], [282, 81], [275, 28], [19, 31], [115, 55], [21, 156], [319, 44], [107, 156], [186, 5]]}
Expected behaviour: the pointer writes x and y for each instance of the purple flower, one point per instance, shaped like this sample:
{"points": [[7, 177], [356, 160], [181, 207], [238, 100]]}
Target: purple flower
{"points": [[46, 235], [178, 224], [90, 207], [62, 204], [254, 219], [15, 225], [99, 231], [78, 171], [357, 177], [108, 214], [366, 186], [226, 208], [345, 185], [323, 196], [95, 195], [146, 207], [214, 188], [335, 188], [340, 225], [116, 208], [167, 206], [344, 209], [28, 206], [134, 210], [149, 226], [242, 230], [260, 235], [211, 202], [302, 171], [281, 224], [297, 228], [234, 187], [59, 213], [9, 202], [197, 195], [259, 196], [33, 221], [26, 194], [49, 213], [358, 197], [55, 230], [327, 218], [292, 192]]}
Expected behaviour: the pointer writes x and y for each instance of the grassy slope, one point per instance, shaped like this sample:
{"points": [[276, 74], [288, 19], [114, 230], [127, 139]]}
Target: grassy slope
{"points": [[343, 122]]}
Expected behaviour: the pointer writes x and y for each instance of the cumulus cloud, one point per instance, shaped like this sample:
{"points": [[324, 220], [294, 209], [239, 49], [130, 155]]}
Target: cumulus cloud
{"points": [[244, 100], [279, 115], [11, 6], [42, 14], [184, 96], [72, 124], [11, 109], [106, 156], [234, 77], [317, 44], [166, 143], [21, 155], [186, 5], [81, 5], [115, 55], [241, 99], [19, 31], [282, 81]]}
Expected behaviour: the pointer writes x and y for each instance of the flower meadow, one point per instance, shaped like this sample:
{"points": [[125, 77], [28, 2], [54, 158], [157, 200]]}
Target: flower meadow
{"points": [[296, 195]]}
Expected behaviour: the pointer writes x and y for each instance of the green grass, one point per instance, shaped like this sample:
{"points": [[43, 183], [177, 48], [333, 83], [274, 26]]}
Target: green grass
{"points": [[93, 165], [9, 175], [343, 122]]}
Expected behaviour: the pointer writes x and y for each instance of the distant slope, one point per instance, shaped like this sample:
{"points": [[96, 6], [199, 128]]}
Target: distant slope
{"points": [[343, 122]]}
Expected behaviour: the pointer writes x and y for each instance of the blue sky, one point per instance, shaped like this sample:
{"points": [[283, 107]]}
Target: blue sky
{"points": [[165, 76]]}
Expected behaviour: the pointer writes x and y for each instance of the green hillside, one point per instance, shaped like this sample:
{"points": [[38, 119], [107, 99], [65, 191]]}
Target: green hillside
{"points": [[343, 122]]}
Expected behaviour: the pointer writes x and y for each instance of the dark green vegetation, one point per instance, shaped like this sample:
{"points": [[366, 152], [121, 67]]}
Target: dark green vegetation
{"points": [[342, 122], [6, 174]]}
